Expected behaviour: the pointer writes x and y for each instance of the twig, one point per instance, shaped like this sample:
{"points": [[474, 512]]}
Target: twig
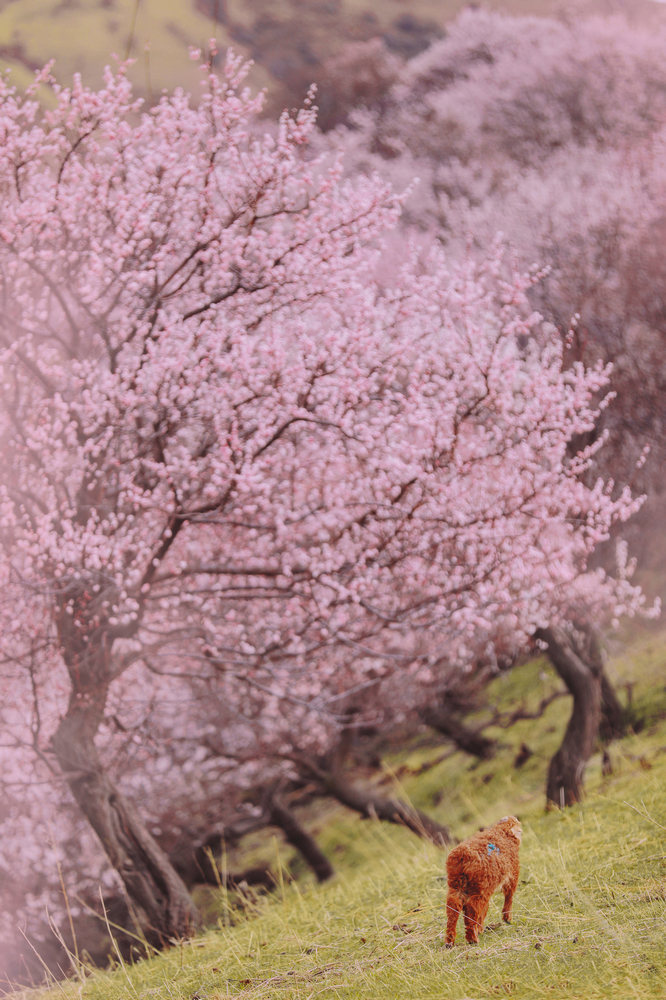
{"points": [[520, 715], [130, 37], [645, 815]]}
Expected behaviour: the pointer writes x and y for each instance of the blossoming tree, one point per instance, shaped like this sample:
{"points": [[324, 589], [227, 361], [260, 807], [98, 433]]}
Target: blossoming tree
{"points": [[230, 453], [551, 132]]}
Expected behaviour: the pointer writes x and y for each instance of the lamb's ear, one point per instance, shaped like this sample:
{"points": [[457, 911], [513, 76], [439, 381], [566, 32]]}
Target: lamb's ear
{"points": [[516, 831]]}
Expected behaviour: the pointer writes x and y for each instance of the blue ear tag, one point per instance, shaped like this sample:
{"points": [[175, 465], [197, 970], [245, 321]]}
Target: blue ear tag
{"points": [[491, 848]]}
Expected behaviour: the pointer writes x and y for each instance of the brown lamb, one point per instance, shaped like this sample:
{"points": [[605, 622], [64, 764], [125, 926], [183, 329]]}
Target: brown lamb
{"points": [[476, 868]]}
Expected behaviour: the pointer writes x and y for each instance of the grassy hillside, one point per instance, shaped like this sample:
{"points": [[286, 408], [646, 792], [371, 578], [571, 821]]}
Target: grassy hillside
{"points": [[287, 38], [589, 914]]}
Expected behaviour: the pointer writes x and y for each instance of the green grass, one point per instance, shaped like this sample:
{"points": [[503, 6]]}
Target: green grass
{"points": [[589, 914], [589, 922]]}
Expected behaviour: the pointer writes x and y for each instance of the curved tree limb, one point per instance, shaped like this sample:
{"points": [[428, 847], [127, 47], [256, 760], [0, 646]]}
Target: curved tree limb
{"points": [[370, 805], [471, 741]]}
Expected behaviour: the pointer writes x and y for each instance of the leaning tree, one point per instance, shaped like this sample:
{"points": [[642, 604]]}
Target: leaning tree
{"points": [[231, 456]]}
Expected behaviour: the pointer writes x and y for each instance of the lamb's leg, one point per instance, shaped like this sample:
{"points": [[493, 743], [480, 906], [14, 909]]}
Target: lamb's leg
{"points": [[472, 912], [483, 913], [509, 890], [454, 905]]}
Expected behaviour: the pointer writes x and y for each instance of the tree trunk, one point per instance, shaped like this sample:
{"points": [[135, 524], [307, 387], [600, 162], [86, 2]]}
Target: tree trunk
{"points": [[197, 866], [441, 718], [284, 818], [583, 679], [613, 724], [149, 878]]}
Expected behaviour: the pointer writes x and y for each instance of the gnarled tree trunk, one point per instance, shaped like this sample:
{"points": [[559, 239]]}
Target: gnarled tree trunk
{"points": [[583, 679], [151, 882]]}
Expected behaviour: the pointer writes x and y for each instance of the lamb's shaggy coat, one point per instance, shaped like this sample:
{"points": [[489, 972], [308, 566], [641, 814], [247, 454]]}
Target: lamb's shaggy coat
{"points": [[476, 868]]}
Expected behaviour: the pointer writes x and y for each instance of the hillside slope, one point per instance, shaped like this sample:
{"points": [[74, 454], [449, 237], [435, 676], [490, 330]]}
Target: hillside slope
{"points": [[589, 914]]}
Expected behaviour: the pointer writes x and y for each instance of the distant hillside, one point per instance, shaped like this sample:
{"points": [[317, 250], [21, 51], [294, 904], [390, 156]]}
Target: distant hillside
{"points": [[288, 39]]}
